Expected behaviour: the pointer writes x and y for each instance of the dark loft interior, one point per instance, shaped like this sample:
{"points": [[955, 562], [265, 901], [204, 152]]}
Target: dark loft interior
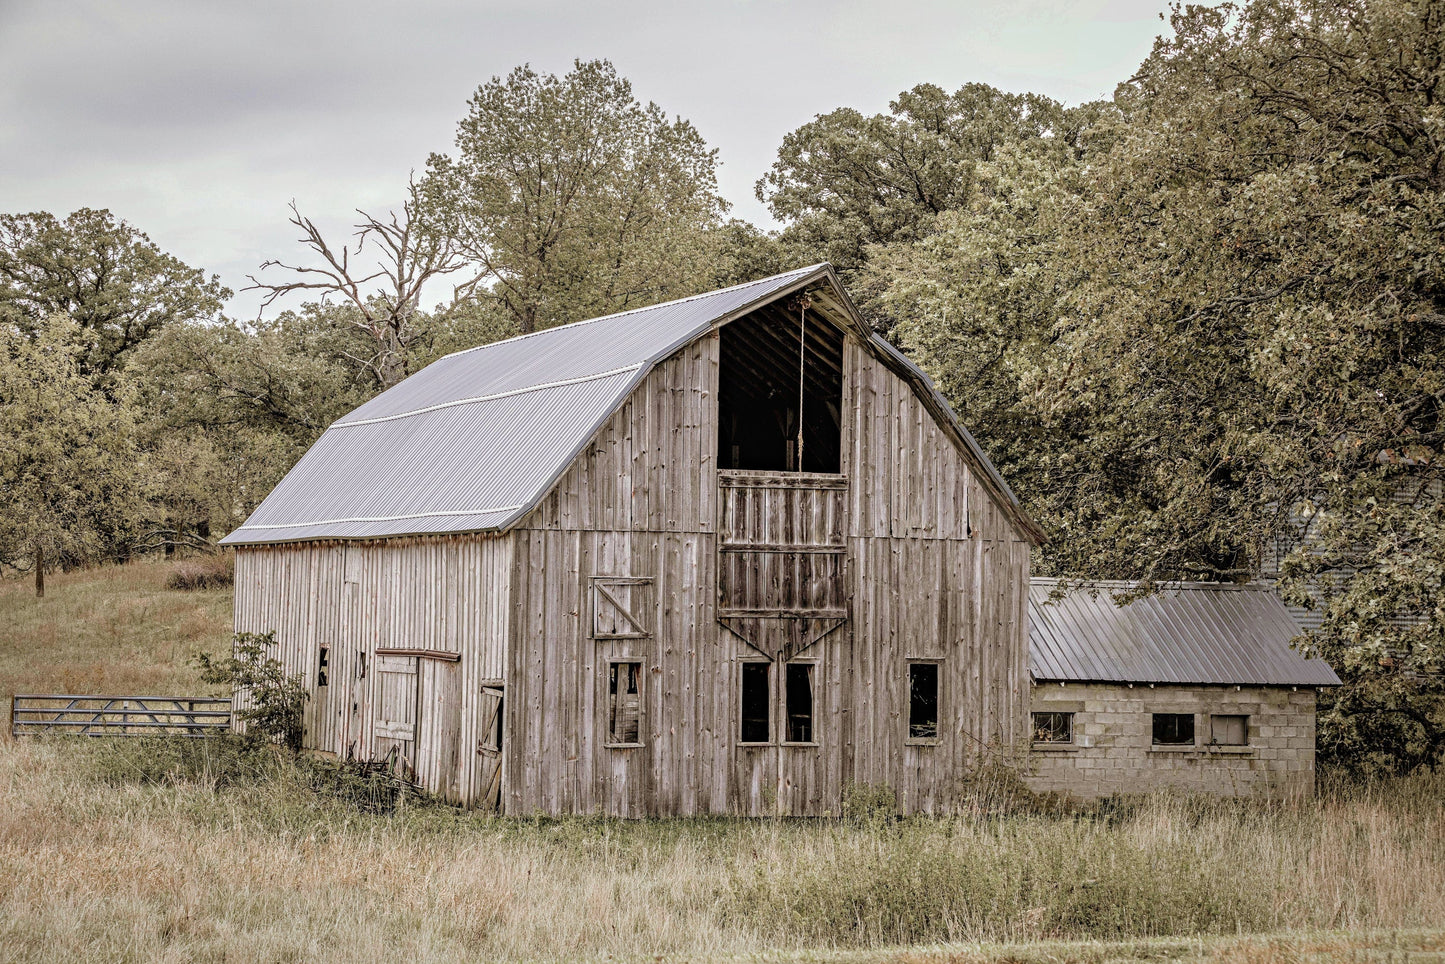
{"points": [[770, 365]]}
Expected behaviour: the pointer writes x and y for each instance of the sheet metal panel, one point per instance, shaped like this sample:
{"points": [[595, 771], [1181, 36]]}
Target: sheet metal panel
{"points": [[1202, 633]]}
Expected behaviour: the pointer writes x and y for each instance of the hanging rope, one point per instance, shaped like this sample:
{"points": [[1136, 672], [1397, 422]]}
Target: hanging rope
{"points": [[802, 346]]}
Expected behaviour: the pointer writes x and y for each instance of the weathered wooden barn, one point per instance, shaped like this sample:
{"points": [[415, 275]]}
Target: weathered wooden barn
{"points": [[1194, 688], [729, 554]]}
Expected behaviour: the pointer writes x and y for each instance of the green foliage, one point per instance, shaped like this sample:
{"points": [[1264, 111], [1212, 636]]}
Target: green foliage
{"points": [[268, 701], [68, 470], [107, 276], [574, 199], [845, 181], [1217, 320]]}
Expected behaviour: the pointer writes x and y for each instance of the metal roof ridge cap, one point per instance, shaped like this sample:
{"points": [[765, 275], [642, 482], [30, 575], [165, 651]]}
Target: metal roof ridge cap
{"points": [[634, 311], [487, 398], [377, 518]]}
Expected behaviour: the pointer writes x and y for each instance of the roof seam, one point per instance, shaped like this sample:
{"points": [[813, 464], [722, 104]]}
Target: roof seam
{"points": [[488, 398], [383, 518]]}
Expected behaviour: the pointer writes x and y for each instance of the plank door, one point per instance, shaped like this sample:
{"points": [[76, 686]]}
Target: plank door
{"points": [[396, 712], [489, 750], [438, 737]]}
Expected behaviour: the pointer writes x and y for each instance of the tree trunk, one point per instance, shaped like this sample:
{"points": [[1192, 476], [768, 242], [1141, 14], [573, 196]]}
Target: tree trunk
{"points": [[39, 571]]}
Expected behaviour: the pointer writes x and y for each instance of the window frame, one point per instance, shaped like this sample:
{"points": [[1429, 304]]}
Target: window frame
{"points": [[769, 702], [1244, 727], [610, 663], [1154, 742], [785, 731], [938, 701], [1035, 730], [604, 591]]}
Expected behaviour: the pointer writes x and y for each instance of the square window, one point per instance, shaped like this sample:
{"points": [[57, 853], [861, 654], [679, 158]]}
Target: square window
{"points": [[624, 703], [923, 701], [1173, 729], [754, 704], [1053, 727], [1229, 730], [798, 698], [622, 607]]}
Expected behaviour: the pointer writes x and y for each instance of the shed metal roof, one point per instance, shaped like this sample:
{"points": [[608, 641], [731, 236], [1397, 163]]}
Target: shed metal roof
{"points": [[1187, 633], [476, 439]]}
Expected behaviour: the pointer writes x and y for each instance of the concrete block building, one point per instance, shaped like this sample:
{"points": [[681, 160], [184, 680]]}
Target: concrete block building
{"points": [[1195, 688]]}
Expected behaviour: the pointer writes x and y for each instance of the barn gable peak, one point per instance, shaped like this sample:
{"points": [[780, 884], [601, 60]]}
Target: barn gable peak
{"points": [[473, 442]]}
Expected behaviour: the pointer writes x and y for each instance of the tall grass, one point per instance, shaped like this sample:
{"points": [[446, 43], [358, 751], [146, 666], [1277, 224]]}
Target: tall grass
{"points": [[114, 629], [125, 851], [130, 850]]}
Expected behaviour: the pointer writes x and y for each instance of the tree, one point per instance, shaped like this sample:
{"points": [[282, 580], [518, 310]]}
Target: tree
{"points": [[412, 252], [1230, 318], [68, 468], [845, 181], [104, 274], [574, 199]]}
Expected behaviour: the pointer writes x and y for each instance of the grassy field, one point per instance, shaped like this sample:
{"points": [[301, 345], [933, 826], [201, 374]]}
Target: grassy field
{"points": [[110, 630], [123, 850]]}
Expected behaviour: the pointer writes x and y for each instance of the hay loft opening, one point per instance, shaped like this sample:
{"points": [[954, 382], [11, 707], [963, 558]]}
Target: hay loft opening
{"points": [[780, 391]]}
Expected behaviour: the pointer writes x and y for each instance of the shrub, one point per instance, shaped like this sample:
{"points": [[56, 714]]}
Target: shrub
{"points": [[270, 701], [203, 572]]}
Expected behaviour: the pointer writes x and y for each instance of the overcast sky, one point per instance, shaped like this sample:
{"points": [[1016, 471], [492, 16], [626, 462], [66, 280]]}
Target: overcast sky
{"points": [[198, 121]]}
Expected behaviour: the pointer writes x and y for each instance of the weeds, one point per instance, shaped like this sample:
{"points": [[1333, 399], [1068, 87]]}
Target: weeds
{"points": [[217, 571]]}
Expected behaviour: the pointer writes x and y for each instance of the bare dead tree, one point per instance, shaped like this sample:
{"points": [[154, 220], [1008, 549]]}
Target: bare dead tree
{"points": [[409, 251]]}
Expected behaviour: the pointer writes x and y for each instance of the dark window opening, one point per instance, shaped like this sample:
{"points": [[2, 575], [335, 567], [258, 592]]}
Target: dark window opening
{"points": [[624, 703], [1053, 727], [923, 701], [1173, 729], [1229, 730], [361, 664], [322, 662], [772, 368], [755, 700], [799, 702]]}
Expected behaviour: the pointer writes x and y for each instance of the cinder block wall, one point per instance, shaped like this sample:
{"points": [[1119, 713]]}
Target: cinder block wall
{"points": [[1113, 752]]}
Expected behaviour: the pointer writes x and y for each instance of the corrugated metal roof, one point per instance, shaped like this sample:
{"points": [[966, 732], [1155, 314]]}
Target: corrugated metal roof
{"points": [[476, 439], [1187, 633]]}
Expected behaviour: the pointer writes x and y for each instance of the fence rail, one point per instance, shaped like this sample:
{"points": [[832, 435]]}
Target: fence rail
{"points": [[190, 716]]}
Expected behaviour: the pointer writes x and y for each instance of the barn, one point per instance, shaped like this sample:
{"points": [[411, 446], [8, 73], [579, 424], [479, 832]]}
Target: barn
{"points": [[1194, 688], [729, 554]]}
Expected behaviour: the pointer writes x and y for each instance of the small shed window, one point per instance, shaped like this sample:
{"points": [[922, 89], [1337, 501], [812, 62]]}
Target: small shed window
{"points": [[1229, 730], [1173, 729], [624, 703], [1053, 728], [754, 703], [323, 662], [923, 701], [798, 696]]}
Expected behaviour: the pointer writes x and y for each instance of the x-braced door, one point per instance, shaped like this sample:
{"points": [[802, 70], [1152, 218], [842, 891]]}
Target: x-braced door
{"points": [[489, 749]]}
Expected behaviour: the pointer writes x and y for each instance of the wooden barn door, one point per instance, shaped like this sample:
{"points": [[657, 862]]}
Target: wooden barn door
{"points": [[438, 736], [489, 750], [394, 733]]}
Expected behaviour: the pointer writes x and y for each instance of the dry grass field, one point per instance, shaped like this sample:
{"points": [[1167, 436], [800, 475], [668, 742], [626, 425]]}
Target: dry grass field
{"points": [[127, 850], [114, 629]]}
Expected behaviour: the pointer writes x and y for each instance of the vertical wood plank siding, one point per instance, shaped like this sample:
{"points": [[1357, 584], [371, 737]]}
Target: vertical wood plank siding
{"points": [[906, 543], [443, 594]]}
